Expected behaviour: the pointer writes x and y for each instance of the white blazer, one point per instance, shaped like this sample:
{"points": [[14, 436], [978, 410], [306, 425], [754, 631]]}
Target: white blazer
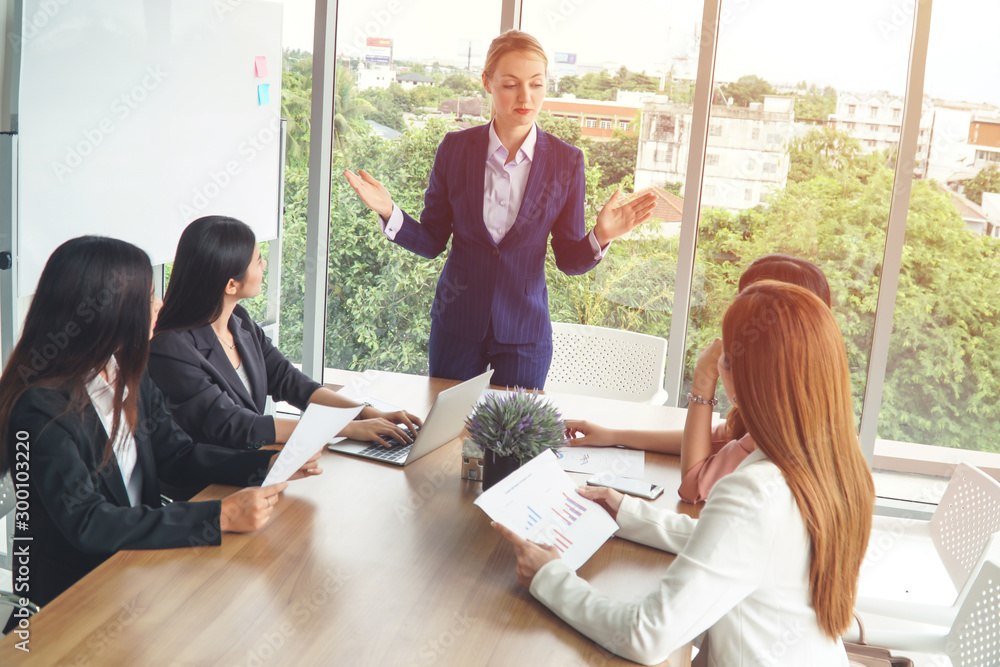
{"points": [[742, 570]]}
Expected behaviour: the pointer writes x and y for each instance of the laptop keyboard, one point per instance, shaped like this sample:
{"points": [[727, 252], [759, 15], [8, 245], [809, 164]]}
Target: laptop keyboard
{"points": [[397, 452], [393, 454]]}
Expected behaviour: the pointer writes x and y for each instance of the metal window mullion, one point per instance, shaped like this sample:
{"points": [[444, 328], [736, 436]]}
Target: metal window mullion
{"points": [[510, 15], [9, 315], [896, 230], [320, 168], [692, 200]]}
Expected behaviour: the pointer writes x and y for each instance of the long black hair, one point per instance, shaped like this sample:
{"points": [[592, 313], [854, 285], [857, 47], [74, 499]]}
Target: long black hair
{"points": [[212, 250], [92, 302]]}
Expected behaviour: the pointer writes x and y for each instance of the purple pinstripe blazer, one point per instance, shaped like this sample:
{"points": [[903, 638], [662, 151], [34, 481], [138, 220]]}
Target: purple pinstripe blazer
{"points": [[505, 282]]}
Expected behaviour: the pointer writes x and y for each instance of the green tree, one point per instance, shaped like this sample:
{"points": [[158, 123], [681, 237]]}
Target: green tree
{"points": [[562, 128], [987, 180], [616, 157], [460, 83], [822, 151], [349, 110], [747, 89], [815, 104]]}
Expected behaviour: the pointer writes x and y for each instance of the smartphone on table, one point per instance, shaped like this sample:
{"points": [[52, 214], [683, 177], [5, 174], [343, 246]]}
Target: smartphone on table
{"points": [[633, 487]]}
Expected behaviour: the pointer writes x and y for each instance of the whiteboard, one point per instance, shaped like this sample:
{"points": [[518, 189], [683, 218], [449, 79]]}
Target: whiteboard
{"points": [[138, 116]]}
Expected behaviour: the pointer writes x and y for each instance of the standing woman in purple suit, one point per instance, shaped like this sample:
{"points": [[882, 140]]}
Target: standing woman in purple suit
{"points": [[499, 191]]}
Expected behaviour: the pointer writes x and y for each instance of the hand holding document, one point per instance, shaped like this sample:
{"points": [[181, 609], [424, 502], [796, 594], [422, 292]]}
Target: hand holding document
{"points": [[317, 425], [539, 502]]}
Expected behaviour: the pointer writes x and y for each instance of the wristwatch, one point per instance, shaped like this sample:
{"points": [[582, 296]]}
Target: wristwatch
{"points": [[367, 405]]}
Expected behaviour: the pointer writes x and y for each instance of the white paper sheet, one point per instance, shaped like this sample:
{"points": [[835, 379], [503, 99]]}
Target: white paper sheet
{"points": [[591, 460], [317, 425], [538, 501]]}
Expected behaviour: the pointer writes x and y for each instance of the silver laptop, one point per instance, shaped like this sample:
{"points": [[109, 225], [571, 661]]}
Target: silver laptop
{"points": [[444, 423]]}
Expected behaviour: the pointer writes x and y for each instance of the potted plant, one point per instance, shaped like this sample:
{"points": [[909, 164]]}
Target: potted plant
{"points": [[513, 428]]}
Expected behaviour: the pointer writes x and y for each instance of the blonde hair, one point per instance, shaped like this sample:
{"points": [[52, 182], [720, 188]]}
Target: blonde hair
{"points": [[513, 41], [789, 369]]}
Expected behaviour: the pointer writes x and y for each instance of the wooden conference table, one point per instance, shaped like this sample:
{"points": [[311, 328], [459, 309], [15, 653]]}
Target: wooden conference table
{"points": [[366, 564]]}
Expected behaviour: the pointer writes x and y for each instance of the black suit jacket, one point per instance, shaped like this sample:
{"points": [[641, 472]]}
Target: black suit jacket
{"points": [[206, 396], [79, 512]]}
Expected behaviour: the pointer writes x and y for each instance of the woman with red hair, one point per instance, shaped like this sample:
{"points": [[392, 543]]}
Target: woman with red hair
{"points": [[707, 453], [778, 547]]}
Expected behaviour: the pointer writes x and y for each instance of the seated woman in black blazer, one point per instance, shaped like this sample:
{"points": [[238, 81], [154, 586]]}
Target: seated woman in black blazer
{"points": [[86, 428], [215, 365]]}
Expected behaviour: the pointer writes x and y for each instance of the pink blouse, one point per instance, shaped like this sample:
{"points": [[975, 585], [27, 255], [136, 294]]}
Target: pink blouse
{"points": [[726, 455]]}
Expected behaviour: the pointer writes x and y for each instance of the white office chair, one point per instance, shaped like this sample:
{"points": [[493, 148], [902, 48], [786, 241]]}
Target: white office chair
{"points": [[972, 638], [921, 570], [607, 363]]}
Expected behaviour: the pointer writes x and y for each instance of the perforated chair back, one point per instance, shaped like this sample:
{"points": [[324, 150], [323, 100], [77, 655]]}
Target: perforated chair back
{"points": [[974, 640], [966, 517], [607, 363]]}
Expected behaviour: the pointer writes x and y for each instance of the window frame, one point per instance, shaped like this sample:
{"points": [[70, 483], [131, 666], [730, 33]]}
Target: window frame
{"points": [[898, 456]]}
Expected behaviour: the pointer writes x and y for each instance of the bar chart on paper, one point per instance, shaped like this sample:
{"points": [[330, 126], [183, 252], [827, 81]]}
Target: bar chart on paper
{"points": [[540, 503]]}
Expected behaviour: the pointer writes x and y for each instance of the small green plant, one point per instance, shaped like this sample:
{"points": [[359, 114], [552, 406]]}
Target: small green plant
{"points": [[518, 424]]}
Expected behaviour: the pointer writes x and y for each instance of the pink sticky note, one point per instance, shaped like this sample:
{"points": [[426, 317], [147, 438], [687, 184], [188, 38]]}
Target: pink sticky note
{"points": [[260, 65]]}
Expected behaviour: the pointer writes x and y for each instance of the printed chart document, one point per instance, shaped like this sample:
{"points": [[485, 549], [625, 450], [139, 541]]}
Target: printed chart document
{"points": [[622, 462], [539, 502], [317, 425]]}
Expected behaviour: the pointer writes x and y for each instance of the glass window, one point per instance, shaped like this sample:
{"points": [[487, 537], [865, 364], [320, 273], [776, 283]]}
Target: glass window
{"points": [[942, 384], [379, 295], [817, 195], [590, 122], [643, 65], [623, 125], [296, 100], [606, 124]]}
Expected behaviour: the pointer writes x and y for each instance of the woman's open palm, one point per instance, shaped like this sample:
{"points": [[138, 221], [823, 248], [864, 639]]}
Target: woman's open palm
{"points": [[372, 193]]}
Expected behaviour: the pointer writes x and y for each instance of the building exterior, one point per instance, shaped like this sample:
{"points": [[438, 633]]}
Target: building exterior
{"points": [[374, 76], [877, 120], [746, 156], [411, 80], [984, 138], [597, 119]]}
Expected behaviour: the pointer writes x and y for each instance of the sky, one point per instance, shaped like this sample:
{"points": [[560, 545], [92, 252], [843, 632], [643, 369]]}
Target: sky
{"points": [[852, 45]]}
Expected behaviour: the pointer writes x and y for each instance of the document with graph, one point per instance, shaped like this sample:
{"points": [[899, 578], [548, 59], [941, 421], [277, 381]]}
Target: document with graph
{"points": [[539, 502]]}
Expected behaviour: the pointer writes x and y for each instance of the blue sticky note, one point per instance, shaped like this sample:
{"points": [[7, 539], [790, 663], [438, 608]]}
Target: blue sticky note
{"points": [[264, 93]]}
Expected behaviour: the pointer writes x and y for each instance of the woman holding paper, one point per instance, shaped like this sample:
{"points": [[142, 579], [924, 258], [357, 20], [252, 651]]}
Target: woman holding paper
{"points": [[215, 365], [86, 432], [778, 547]]}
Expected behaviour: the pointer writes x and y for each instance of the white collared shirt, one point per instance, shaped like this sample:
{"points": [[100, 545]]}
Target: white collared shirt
{"points": [[102, 394], [503, 191], [505, 182]]}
